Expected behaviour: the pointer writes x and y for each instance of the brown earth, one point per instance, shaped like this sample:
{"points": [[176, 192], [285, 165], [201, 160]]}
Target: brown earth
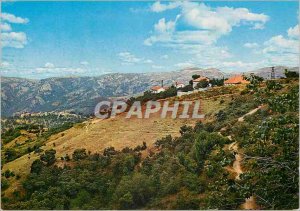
{"points": [[95, 135]]}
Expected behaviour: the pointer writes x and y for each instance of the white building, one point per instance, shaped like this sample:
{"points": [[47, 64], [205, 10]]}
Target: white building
{"points": [[158, 89], [197, 80], [179, 85]]}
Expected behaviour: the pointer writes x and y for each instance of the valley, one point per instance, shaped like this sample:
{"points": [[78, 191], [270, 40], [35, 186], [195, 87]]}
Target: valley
{"points": [[198, 164], [149, 105]]}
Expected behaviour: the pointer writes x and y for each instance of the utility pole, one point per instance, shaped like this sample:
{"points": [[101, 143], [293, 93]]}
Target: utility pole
{"points": [[273, 73]]}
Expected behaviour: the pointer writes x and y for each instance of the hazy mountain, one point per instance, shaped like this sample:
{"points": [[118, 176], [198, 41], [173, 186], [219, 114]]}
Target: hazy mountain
{"points": [[279, 71], [81, 94]]}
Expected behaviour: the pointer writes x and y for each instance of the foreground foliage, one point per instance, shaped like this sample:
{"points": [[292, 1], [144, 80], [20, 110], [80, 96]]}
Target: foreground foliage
{"points": [[188, 172]]}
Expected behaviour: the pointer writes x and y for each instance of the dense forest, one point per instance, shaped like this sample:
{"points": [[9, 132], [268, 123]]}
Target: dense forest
{"points": [[188, 172]]}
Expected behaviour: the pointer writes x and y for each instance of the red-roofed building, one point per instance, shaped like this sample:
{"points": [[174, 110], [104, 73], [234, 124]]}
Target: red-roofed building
{"points": [[197, 80], [238, 79], [158, 89]]}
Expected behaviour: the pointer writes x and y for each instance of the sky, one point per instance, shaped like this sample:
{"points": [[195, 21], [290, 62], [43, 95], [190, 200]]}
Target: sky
{"points": [[58, 39]]}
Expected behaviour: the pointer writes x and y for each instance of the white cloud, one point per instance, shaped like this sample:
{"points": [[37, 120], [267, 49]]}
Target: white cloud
{"points": [[259, 26], [163, 31], [205, 26], [281, 50], [197, 37], [4, 64], [129, 59], [208, 23], [5, 27], [294, 32], [13, 19], [49, 65], [206, 56], [158, 7], [10, 38], [13, 39], [240, 65], [184, 64], [50, 68], [84, 63], [147, 61], [251, 45], [164, 27], [157, 67], [237, 15], [164, 56], [280, 44]]}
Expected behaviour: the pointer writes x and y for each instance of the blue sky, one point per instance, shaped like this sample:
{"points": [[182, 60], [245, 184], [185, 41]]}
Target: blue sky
{"points": [[52, 39]]}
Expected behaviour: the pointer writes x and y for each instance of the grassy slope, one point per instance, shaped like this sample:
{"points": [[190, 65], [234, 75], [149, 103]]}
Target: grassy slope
{"points": [[96, 135]]}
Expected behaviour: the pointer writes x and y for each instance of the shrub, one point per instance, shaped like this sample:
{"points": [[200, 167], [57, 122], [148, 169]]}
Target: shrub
{"points": [[273, 85], [291, 74], [202, 84], [36, 166], [48, 157], [79, 154]]}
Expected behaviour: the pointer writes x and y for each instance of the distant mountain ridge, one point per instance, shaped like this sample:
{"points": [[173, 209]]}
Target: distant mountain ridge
{"points": [[279, 71], [81, 94]]}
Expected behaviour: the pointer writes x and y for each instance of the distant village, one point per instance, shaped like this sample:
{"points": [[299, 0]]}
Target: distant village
{"points": [[201, 83], [197, 84]]}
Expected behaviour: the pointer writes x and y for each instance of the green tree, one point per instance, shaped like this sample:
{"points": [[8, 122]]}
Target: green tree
{"points": [[291, 74], [273, 85], [217, 82], [186, 88], [254, 82], [202, 84], [195, 76], [126, 201], [36, 166], [79, 154], [138, 190], [82, 198], [48, 157]]}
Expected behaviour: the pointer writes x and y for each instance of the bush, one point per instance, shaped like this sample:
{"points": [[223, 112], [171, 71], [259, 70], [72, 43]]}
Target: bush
{"points": [[291, 74], [11, 154], [4, 184], [186, 88], [79, 154], [48, 157], [273, 85], [36, 166], [202, 84], [217, 82]]}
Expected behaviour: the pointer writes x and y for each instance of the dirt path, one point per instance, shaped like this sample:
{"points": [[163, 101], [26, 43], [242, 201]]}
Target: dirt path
{"points": [[224, 95], [238, 158], [241, 119], [250, 203]]}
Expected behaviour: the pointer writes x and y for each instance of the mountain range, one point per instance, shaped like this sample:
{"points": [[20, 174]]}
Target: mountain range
{"points": [[81, 94]]}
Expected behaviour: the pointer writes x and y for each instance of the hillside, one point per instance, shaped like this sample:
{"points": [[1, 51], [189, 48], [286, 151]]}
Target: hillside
{"points": [[81, 94], [279, 71], [240, 157], [96, 134]]}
